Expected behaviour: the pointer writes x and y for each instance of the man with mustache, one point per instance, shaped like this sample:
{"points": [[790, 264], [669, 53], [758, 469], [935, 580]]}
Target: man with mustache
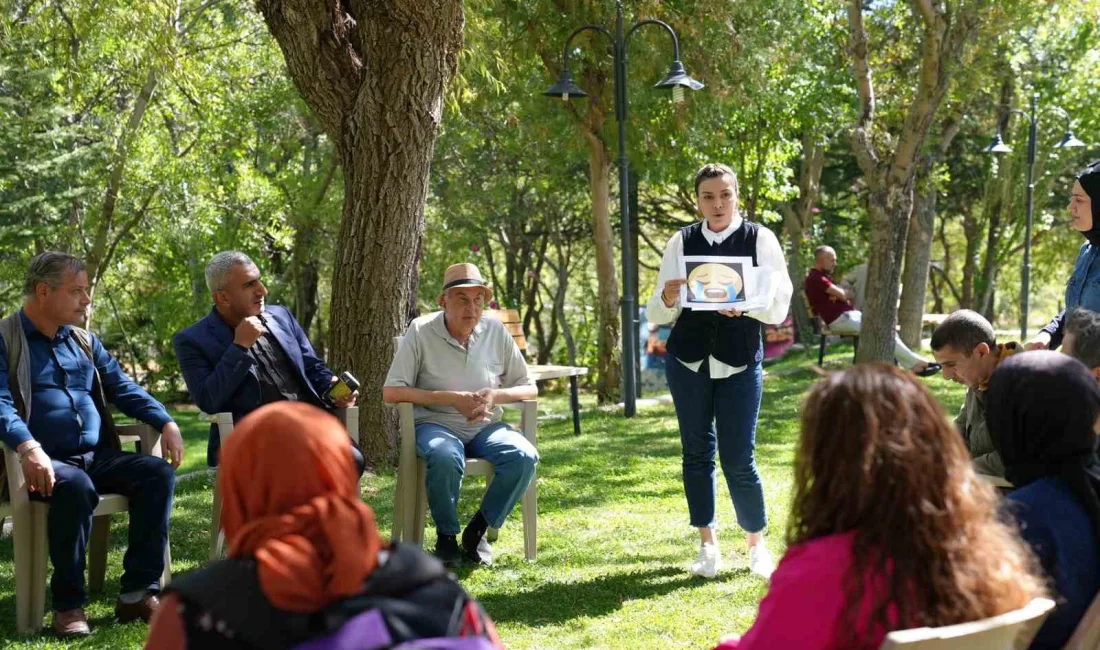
{"points": [[246, 353]]}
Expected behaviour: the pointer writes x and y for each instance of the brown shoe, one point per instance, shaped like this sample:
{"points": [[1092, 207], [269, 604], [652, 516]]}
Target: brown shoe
{"points": [[143, 609], [71, 623]]}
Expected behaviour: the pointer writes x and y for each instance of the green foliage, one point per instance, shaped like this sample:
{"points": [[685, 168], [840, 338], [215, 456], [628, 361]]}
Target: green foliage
{"points": [[226, 155]]}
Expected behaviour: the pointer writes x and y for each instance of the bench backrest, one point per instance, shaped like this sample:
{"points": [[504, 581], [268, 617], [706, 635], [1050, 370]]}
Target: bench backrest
{"points": [[511, 320]]}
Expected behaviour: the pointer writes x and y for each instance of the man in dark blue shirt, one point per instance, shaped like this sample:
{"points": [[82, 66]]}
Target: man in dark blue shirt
{"points": [[50, 376]]}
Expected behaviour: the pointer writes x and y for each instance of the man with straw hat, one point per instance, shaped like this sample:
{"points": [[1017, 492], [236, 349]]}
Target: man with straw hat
{"points": [[457, 367]]}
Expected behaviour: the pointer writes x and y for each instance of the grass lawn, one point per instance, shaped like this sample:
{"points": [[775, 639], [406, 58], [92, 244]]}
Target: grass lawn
{"points": [[614, 543]]}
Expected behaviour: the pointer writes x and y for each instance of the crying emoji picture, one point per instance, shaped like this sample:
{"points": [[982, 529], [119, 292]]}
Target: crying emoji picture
{"points": [[713, 282]]}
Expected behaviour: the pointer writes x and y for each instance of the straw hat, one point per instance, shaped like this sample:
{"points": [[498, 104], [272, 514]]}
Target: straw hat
{"points": [[464, 275]]}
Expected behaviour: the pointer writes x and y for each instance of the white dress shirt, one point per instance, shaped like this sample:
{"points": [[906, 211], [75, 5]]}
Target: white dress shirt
{"points": [[769, 255]]}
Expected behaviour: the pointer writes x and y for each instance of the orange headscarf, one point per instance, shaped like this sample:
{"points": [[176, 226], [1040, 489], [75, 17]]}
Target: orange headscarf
{"points": [[290, 499]]}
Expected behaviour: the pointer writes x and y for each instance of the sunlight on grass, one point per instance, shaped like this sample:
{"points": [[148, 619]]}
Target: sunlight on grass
{"points": [[614, 542]]}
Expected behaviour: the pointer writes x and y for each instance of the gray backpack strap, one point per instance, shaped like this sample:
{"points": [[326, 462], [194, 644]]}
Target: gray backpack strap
{"points": [[11, 330]]}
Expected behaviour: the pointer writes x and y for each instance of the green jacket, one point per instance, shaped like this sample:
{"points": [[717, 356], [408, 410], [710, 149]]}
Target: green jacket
{"points": [[972, 425]]}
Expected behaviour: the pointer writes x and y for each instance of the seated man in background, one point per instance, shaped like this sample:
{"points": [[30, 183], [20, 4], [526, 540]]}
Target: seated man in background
{"points": [[833, 303], [1082, 339], [245, 354], [55, 382], [457, 367], [965, 345]]}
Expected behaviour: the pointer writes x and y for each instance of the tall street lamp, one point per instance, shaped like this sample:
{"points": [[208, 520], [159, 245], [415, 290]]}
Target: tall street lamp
{"points": [[677, 79], [998, 146]]}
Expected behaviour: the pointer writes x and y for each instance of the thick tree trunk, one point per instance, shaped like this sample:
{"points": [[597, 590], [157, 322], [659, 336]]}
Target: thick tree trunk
{"points": [[609, 365], [889, 212], [374, 74]]}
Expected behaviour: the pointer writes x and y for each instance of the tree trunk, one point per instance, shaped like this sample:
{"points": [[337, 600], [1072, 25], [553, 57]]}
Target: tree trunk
{"points": [[918, 248], [918, 258], [374, 74], [798, 218], [889, 212], [609, 364], [889, 171]]}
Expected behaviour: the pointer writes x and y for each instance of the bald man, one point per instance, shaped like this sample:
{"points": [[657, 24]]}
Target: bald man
{"points": [[833, 303]]}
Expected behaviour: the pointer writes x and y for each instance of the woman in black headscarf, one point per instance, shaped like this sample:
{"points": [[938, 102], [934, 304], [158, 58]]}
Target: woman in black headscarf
{"points": [[1083, 288], [1045, 426]]}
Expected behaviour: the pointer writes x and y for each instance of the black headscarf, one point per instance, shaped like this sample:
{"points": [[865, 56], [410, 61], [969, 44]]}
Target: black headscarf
{"points": [[1089, 178], [1042, 406]]}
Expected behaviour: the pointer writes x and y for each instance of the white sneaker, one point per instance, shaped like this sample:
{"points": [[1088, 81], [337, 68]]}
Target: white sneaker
{"points": [[761, 561], [708, 563]]}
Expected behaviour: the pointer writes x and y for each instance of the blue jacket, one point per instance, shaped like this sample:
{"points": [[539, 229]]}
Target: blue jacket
{"points": [[1056, 525], [1082, 291], [222, 376]]}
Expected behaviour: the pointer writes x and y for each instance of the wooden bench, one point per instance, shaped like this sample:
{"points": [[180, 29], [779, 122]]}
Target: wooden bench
{"points": [[511, 320]]}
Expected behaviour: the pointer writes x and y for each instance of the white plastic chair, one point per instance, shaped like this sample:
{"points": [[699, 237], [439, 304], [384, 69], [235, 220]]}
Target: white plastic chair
{"points": [[1009, 631], [410, 501], [31, 542]]}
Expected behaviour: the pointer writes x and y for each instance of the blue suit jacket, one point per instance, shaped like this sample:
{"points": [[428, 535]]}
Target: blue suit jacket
{"points": [[222, 376]]}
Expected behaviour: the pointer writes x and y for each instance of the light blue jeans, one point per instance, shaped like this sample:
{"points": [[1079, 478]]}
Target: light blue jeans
{"points": [[512, 456]]}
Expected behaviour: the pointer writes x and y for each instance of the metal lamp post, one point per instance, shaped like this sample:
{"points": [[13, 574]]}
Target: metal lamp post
{"points": [[998, 146], [677, 79]]}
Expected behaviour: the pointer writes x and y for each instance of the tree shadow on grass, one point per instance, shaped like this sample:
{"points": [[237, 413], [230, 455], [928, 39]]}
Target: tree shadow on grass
{"points": [[556, 602]]}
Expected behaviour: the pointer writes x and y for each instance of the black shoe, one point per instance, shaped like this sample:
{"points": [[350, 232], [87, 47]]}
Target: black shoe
{"points": [[929, 370], [446, 549], [474, 543]]}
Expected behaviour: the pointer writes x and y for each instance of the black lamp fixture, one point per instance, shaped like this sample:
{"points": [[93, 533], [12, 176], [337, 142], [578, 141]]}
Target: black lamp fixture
{"points": [[998, 146], [677, 80]]}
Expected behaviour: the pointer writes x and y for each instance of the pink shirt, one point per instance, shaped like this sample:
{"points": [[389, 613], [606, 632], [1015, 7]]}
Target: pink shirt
{"points": [[806, 600]]}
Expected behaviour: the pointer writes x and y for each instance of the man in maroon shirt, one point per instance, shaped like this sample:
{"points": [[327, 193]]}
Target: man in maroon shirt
{"points": [[833, 304]]}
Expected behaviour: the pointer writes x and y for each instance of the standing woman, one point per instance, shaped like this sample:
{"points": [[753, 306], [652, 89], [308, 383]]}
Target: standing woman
{"points": [[715, 377], [1083, 288]]}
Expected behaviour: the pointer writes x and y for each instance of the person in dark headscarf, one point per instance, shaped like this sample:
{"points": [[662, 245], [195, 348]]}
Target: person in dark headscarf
{"points": [[1045, 427], [1083, 288]]}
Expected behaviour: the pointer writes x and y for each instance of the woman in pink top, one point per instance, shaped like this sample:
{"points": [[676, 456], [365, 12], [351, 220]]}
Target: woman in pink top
{"points": [[890, 527]]}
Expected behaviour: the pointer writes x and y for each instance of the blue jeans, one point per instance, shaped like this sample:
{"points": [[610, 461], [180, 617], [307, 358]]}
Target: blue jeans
{"points": [[147, 481], [512, 456], [733, 404]]}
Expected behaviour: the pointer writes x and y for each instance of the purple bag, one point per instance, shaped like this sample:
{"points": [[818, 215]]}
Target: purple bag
{"points": [[368, 631]]}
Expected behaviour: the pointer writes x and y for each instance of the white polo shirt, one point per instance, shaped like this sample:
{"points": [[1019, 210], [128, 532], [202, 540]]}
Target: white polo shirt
{"points": [[431, 359]]}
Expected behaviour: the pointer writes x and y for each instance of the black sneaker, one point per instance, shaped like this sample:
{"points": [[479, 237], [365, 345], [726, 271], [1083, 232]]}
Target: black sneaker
{"points": [[446, 549]]}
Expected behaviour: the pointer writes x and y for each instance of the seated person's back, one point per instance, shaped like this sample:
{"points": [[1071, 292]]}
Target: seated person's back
{"points": [[865, 557], [1045, 431], [301, 542]]}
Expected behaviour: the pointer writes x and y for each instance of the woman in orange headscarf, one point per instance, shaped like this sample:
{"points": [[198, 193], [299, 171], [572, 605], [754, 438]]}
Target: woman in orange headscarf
{"points": [[300, 542]]}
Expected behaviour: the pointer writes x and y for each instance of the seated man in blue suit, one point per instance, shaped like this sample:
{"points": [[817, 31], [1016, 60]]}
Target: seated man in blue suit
{"points": [[245, 354]]}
